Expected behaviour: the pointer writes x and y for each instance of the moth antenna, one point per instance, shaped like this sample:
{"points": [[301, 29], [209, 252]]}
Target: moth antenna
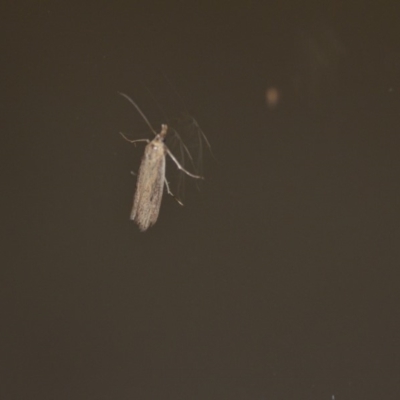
{"points": [[139, 111]]}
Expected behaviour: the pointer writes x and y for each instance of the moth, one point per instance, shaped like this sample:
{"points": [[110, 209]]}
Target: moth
{"points": [[151, 177]]}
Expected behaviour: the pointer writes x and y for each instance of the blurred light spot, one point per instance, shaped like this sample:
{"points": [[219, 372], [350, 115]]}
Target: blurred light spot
{"points": [[272, 97]]}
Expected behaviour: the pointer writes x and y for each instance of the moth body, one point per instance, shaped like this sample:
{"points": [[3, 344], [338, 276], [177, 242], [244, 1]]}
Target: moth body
{"points": [[150, 183], [151, 177]]}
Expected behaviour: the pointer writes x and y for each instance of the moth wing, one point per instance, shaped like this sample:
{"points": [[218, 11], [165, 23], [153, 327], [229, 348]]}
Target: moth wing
{"points": [[149, 187]]}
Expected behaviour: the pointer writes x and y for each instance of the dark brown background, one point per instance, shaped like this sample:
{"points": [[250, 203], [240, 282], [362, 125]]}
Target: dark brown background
{"points": [[278, 280]]}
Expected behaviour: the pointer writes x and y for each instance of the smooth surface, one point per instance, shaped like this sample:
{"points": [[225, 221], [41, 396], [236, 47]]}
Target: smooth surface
{"points": [[278, 280]]}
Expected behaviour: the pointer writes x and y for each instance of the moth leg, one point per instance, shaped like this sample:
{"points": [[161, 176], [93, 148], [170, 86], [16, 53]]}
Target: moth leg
{"points": [[134, 141], [180, 166], [170, 193]]}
